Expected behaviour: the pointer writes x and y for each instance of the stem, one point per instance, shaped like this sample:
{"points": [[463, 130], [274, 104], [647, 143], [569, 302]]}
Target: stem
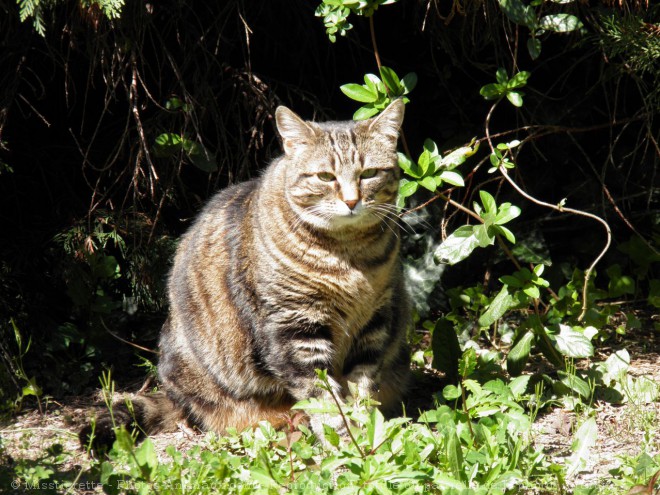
{"points": [[343, 417], [373, 41], [374, 44], [561, 209]]}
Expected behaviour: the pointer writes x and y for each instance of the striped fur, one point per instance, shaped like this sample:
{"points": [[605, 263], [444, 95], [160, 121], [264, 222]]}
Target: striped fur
{"points": [[294, 271]]}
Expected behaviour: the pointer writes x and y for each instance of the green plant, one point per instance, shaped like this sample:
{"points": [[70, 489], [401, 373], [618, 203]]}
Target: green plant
{"points": [[30, 387], [36, 10]]}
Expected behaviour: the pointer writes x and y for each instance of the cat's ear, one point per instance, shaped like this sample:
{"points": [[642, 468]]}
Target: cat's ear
{"points": [[295, 132], [388, 123]]}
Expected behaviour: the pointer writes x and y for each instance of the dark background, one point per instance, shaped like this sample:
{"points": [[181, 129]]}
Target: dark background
{"points": [[90, 211]]}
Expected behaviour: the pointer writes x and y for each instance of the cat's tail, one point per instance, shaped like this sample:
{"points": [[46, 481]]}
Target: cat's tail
{"points": [[142, 414]]}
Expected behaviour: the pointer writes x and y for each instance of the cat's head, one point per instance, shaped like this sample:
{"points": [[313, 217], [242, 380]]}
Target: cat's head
{"points": [[341, 174]]}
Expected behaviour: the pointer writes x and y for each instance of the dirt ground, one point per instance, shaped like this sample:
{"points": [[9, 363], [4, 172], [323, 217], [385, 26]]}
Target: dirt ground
{"points": [[51, 439]]}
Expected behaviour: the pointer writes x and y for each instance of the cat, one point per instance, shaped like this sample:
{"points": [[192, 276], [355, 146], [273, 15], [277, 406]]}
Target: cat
{"points": [[294, 271]]}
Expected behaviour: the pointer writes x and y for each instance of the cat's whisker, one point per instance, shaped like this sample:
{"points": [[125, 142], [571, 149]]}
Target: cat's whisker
{"points": [[395, 210], [385, 218], [385, 213]]}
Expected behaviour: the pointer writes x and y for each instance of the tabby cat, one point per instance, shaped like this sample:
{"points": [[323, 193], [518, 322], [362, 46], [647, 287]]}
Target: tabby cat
{"points": [[294, 271]]}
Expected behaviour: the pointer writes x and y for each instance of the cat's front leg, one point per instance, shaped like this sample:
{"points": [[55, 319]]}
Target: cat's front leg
{"points": [[297, 349], [364, 363]]}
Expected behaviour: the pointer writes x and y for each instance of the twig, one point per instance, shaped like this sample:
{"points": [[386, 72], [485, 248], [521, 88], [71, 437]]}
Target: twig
{"points": [[559, 208], [127, 341]]}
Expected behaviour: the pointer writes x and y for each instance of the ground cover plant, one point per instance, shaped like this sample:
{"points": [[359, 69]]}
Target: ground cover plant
{"points": [[531, 250]]}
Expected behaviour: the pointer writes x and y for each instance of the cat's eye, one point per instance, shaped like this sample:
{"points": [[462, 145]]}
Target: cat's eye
{"points": [[369, 173], [326, 176]]}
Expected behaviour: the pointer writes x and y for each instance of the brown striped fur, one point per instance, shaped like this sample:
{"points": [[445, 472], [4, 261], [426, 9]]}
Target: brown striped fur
{"points": [[293, 271]]}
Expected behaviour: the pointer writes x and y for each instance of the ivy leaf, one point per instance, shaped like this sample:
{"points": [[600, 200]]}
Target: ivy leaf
{"points": [[560, 23], [359, 93], [534, 48], [457, 246]]}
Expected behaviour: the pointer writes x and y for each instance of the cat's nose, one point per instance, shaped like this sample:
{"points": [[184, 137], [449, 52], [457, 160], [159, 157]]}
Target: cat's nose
{"points": [[351, 203]]}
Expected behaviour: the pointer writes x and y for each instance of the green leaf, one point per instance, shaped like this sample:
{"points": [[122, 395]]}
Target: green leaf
{"points": [[408, 188], [261, 475], [575, 384], [560, 23], [468, 363], [409, 82], [453, 178], [376, 428], [498, 306], [365, 112], [534, 48], [492, 91], [146, 458], [457, 246], [424, 161], [619, 284], [515, 97], [428, 183], [202, 158], [506, 213], [457, 157], [408, 166], [519, 80], [359, 93], [532, 291], [446, 349], [391, 80], [507, 233], [518, 385], [167, 144], [519, 354], [519, 13], [372, 81], [455, 456], [488, 201], [584, 441], [501, 76], [572, 343], [483, 235], [331, 436], [451, 392]]}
